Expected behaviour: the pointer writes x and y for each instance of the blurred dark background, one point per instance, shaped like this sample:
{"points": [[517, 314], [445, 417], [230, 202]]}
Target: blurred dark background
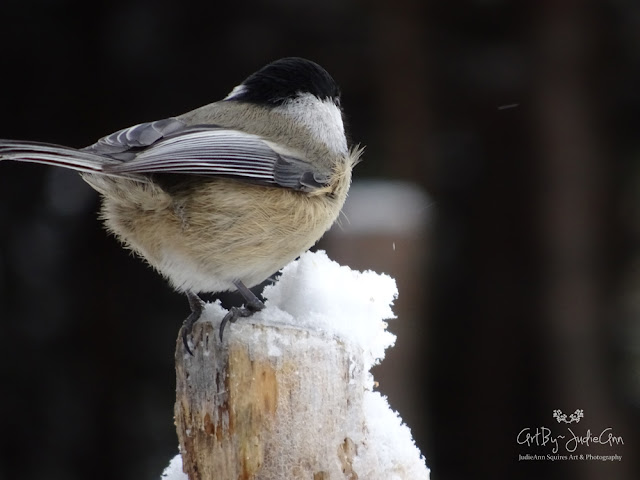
{"points": [[512, 125]]}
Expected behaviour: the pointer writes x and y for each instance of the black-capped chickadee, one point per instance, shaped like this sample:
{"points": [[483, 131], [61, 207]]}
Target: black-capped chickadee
{"points": [[225, 195]]}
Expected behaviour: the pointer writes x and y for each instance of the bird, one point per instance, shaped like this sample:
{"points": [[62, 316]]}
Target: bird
{"points": [[222, 197]]}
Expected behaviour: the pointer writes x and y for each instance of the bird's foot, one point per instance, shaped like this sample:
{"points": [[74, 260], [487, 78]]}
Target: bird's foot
{"points": [[197, 307], [253, 304]]}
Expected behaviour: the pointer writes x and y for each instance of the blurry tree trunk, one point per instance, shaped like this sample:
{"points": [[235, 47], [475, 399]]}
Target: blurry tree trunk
{"points": [[401, 71], [572, 220], [402, 85]]}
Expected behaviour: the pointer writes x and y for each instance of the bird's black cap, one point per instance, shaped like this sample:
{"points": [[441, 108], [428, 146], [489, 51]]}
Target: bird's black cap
{"points": [[285, 79]]}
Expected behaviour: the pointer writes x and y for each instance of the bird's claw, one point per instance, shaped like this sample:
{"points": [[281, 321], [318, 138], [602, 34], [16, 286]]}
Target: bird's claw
{"points": [[235, 313], [197, 307], [252, 305]]}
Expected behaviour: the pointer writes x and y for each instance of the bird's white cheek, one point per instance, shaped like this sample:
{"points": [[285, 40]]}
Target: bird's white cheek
{"points": [[328, 126], [323, 119], [336, 131]]}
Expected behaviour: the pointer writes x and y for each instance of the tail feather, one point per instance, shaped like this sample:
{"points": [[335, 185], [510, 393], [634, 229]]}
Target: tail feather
{"points": [[57, 155]]}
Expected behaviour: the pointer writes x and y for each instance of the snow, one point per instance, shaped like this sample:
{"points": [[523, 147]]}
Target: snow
{"points": [[174, 470], [359, 302], [317, 294]]}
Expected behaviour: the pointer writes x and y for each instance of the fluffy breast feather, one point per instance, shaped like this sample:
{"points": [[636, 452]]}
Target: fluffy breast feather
{"points": [[222, 230]]}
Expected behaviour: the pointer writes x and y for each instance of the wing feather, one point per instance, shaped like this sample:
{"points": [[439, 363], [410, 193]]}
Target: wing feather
{"points": [[171, 146], [223, 152]]}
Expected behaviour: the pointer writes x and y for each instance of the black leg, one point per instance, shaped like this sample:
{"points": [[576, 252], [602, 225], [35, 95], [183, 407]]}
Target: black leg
{"points": [[253, 302], [197, 306], [252, 305]]}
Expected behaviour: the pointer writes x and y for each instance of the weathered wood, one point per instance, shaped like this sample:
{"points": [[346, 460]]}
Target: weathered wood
{"points": [[269, 402]]}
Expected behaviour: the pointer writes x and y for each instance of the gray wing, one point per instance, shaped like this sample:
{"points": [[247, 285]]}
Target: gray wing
{"points": [[173, 147], [123, 144], [110, 150]]}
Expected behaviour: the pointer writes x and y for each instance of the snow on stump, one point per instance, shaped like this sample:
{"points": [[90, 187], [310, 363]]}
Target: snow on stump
{"points": [[288, 393]]}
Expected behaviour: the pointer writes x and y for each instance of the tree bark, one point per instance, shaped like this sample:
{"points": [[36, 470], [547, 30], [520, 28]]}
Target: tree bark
{"points": [[245, 410]]}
